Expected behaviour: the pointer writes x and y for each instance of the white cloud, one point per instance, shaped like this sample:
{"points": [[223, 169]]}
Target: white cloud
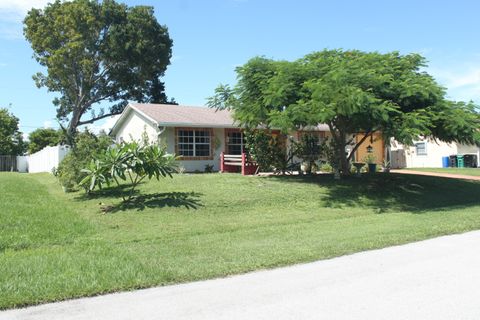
{"points": [[47, 124], [21, 7], [106, 126], [12, 13], [462, 82]]}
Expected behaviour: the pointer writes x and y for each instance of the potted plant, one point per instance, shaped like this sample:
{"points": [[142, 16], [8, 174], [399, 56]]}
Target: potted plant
{"points": [[386, 166], [306, 167], [370, 159]]}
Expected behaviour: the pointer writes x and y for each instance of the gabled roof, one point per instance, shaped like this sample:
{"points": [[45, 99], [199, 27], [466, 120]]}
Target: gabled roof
{"points": [[170, 115]]}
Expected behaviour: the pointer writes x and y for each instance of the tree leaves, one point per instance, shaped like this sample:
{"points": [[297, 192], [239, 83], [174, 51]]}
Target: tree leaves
{"points": [[98, 51], [351, 91], [11, 140]]}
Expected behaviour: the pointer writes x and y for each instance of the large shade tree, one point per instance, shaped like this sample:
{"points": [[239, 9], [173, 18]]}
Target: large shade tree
{"points": [[11, 140], [43, 137], [352, 92], [98, 51]]}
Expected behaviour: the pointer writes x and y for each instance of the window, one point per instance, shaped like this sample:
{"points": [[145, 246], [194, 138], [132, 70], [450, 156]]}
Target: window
{"points": [[421, 148], [194, 142], [320, 135], [235, 142]]}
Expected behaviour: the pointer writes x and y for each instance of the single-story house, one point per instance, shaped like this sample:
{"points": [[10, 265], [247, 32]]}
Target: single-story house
{"points": [[199, 135], [429, 153]]}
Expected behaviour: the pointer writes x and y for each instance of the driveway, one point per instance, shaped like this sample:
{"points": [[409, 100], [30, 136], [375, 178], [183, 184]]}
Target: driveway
{"points": [[438, 174], [433, 279]]}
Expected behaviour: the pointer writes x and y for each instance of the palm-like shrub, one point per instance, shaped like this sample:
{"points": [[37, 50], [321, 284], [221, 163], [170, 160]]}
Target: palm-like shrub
{"points": [[129, 162]]}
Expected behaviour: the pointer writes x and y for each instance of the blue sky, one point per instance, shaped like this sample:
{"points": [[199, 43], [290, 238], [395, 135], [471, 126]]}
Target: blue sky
{"points": [[212, 37]]}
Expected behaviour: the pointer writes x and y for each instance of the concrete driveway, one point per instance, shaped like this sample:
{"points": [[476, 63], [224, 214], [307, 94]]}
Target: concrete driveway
{"points": [[433, 279]]}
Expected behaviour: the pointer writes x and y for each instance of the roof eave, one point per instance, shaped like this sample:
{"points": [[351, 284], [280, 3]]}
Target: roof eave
{"points": [[197, 125]]}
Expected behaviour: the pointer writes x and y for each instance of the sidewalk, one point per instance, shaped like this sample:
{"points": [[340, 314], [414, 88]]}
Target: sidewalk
{"points": [[433, 279], [437, 174]]}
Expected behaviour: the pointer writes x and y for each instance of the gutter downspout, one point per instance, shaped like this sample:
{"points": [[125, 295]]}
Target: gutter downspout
{"points": [[160, 130]]}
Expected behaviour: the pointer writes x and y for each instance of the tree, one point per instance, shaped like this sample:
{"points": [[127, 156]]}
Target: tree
{"points": [[11, 140], [98, 51], [352, 92], [43, 137]]}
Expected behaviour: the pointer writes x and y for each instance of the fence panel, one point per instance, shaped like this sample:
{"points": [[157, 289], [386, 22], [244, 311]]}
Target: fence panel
{"points": [[8, 163], [47, 159]]}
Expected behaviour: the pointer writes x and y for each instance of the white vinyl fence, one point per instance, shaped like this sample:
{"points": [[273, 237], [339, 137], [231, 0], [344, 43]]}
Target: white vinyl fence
{"points": [[44, 160]]}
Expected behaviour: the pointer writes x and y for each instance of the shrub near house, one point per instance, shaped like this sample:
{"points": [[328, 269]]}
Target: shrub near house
{"points": [[131, 162]]}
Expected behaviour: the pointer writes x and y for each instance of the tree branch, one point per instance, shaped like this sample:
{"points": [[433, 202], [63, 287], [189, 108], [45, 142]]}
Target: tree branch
{"points": [[367, 134], [80, 123]]}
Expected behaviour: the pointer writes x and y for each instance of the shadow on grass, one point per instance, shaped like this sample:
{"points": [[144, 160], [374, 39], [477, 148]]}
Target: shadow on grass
{"points": [[108, 192], [393, 192], [187, 200], [139, 202]]}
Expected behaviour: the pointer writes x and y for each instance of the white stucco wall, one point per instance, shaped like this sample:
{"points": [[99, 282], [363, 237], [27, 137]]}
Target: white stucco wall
{"points": [[168, 136], [134, 125], [133, 128], [433, 159]]}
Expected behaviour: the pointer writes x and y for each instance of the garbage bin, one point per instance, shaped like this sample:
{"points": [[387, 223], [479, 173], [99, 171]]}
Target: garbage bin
{"points": [[470, 160], [453, 161], [445, 162], [460, 162]]}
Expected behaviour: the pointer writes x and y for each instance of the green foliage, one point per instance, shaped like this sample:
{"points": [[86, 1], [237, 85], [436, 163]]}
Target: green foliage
{"points": [[43, 137], [98, 51], [309, 149], [267, 150], [326, 167], [132, 162], [11, 140], [370, 158], [352, 92], [87, 146]]}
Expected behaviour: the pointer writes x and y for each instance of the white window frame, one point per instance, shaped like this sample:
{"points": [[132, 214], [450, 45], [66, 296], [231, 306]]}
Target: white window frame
{"points": [[425, 148], [194, 143]]}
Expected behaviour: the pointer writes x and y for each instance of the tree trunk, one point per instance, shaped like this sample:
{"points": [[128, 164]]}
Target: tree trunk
{"points": [[72, 127], [344, 164]]}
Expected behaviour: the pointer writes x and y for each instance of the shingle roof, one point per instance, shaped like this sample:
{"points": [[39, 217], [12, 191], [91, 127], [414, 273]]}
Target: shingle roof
{"points": [[167, 114], [177, 115]]}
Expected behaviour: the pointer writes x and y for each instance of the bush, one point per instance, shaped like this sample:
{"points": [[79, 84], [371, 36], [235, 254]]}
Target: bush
{"points": [[326, 167], [310, 149], [87, 146], [267, 150], [131, 162]]}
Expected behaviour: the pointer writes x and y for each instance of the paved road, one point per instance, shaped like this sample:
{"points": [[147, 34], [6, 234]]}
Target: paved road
{"points": [[433, 279], [438, 174]]}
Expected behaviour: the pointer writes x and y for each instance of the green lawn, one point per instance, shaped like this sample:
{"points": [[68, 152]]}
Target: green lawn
{"points": [[464, 171], [55, 246]]}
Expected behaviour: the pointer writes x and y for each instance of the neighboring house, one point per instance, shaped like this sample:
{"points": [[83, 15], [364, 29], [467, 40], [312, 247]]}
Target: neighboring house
{"points": [[428, 153]]}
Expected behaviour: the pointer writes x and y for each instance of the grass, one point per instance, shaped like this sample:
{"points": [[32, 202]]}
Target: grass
{"points": [[55, 246], [462, 171]]}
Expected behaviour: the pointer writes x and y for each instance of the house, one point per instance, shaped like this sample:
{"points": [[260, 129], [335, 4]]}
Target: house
{"points": [[429, 153], [199, 136]]}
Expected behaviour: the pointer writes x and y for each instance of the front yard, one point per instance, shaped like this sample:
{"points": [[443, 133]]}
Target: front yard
{"points": [[55, 246]]}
